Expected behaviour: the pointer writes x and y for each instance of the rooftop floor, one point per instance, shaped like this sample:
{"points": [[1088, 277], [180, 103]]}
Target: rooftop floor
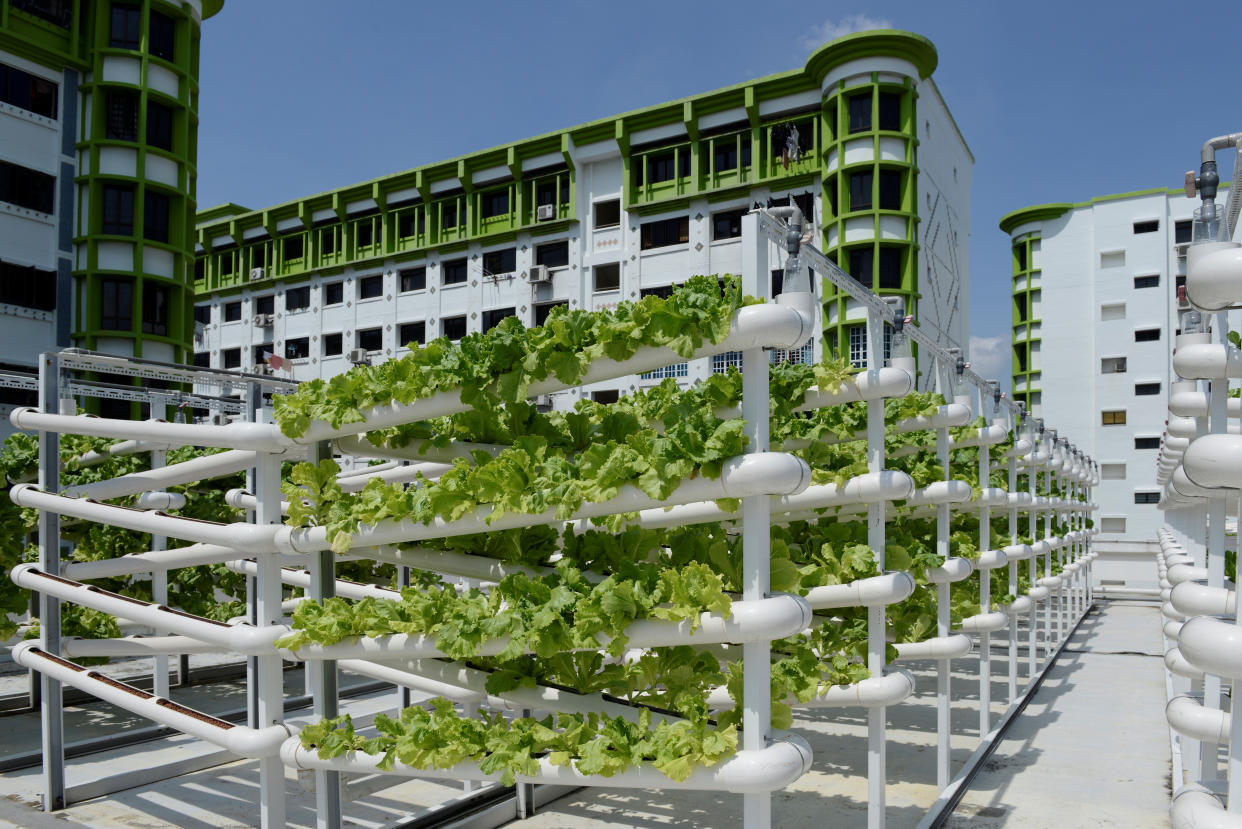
{"points": [[1082, 754]]}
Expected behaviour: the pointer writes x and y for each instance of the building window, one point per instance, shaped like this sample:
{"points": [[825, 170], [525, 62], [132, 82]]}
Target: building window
{"points": [[492, 318], [858, 346], [662, 167], [607, 277], [890, 268], [328, 238], [1146, 335], [1147, 497], [453, 328], [155, 306], [496, 262], [156, 207], [294, 247], [263, 352], [116, 307], [664, 372], [57, 12], [161, 38], [232, 312], [1113, 311], [265, 304], [860, 112], [414, 279], [28, 92], [411, 222], [364, 233], [226, 261], [159, 126], [122, 120], [890, 111], [1113, 471], [862, 261], [552, 255], [297, 299], [1183, 231], [606, 396], [727, 225], [890, 190], [202, 359], [722, 362], [230, 357], [1149, 281], [1113, 365], [1147, 443], [494, 204], [453, 273], [661, 291], [334, 293], [665, 233], [124, 31], [1146, 388], [370, 287], [1113, 417], [1112, 525], [607, 213], [860, 191], [27, 287], [27, 188], [202, 314], [297, 347], [411, 334], [118, 210], [371, 339], [449, 217], [332, 344], [544, 309], [1149, 226]]}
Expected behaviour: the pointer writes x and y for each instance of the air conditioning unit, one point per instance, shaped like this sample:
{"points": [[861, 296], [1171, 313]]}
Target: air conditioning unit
{"points": [[543, 402], [359, 357], [539, 275], [263, 320], [257, 274], [261, 368], [545, 212]]}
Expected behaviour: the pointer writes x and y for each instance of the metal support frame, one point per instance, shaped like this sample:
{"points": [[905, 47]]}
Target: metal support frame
{"points": [[985, 598], [322, 676], [52, 709], [877, 760]]}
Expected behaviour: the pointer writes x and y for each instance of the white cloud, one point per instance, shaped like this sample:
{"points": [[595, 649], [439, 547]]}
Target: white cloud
{"points": [[831, 29], [989, 357]]}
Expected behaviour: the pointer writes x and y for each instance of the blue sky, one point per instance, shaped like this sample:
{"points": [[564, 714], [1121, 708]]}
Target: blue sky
{"points": [[1058, 101]]}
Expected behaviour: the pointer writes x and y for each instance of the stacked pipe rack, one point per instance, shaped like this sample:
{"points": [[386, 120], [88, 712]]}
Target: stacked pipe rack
{"points": [[774, 487], [1200, 469]]}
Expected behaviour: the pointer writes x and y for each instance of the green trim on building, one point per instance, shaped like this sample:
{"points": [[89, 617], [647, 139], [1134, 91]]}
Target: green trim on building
{"points": [[1025, 284], [889, 43], [1038, 213]]}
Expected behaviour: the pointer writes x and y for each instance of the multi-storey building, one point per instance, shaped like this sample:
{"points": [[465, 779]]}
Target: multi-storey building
{"points": [[98, 123], [604, 212], [1099, 364]]}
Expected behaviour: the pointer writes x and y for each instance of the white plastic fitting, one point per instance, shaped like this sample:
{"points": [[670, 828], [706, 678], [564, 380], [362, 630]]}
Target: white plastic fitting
{"points": [[953, 569], [1188, 717], [1213, 275], [1212, 646], [954, 646], [876, 591]]}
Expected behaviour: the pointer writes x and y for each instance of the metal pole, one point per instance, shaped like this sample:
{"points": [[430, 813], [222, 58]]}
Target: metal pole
{"points": [[159, 594], [1013, 570], [985, 599], [270, 680], [1033, 566], [52, 711], [1218, 393], [323, 678], [254, 399], [944, 676], [876, 633]]}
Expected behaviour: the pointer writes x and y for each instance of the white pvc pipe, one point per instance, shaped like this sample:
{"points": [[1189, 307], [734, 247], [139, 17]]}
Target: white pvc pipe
{"points": [[1177, 664], [953, 569], [246, 742], [1179, 573], [457, 564], [202, 468], [301, 578], [1212, 646], [148, 562], [1198, 808], [866, 385], [160, 500], [758, 770], [1212, 270], [1188, 717], [954, 646], [416, 450], [991, 560], [984, 436], [74, 647], [887, 589], [1214, 461], [1207, 361], [941, 492], [985, 622], [873, 692], [406, 679], [992, 497]]}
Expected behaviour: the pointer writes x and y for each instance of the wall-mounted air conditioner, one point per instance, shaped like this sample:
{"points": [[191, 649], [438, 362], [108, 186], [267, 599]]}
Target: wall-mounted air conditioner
{"points": [[539, 275], [359, 357], [263, 320], [545, 212], [257, 274]]}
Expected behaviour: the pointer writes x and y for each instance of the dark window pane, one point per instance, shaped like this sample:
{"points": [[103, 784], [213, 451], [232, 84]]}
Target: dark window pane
{"points": [[860, 191], [294, 247], [1149, 281], [890, 268], [860, 112], [806, 203], [1150, 226], [364, 233], [724, 153], [661, 167], [1019, 252], [453, 327], [553, 254], [202, 359], [161, 37], [122, 120], [542, 311], [414, 279], [606, 396], [232, 311], [665, 232], [159, 126], [500, 261], [265, 304], [370, 287], [492, 318], [118, 210], [412, 333], [1146, 335], [27, 287], [890, 190], [333, 293], [202, 313], [1147, 497], [1182, 231], [607, 277], [27, 188], [662, 291], [448, 214], [545, 192], [116, 310], [728, 225], [495, 203], [371, 339], [230, 357], [297, 298], [889, 105], [57, 12], [28, 92], [453, 273], [862, 261], [608, 213], [331, 344], [410, 222], [1146, 388], [125, 24], [155, 216], [328, 239], [1147, 443], [777, 282], [297, 348]]}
